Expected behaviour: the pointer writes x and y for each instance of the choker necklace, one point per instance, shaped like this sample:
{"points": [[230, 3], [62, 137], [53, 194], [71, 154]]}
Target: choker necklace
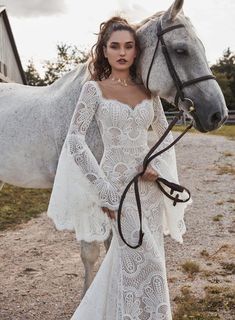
{"points": [[122, 82]]}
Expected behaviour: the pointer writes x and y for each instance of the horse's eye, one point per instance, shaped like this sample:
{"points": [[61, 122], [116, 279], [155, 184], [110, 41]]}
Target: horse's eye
{"points": [[181, 51]]}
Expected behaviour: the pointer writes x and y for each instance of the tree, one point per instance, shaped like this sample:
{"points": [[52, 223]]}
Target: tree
{"points": [[224, 70], [68, 57], [32, 76]]}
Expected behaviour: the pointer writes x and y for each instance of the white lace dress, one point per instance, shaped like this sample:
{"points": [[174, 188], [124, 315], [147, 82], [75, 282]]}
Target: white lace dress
{"points": [[131, 284]]}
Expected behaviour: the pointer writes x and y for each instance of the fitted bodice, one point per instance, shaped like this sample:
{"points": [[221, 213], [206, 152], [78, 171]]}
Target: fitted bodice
{"points": [[124, 132], [122, 126]]}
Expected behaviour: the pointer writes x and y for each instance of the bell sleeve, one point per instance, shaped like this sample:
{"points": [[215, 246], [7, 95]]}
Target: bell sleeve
{"points": [[80, 187], [82, 155], [165, 165], [159, 126]]}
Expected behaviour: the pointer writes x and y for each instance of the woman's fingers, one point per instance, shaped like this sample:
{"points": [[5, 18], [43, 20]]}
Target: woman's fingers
{"points": [[150, 174], [110, 213]]}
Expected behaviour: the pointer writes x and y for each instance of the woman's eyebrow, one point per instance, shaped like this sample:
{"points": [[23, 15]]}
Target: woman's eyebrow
{"points": [[115, 42]]}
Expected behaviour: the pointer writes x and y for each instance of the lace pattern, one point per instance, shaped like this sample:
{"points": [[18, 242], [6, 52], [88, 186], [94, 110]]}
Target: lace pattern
{"points": [[165, 164], [84, 112], [159, 126], [124, 133], [130, 284], [133, 282]]}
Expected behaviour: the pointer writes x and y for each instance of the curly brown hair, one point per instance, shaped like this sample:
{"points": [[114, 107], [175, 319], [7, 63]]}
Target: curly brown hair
{"points": [[99, 66]]}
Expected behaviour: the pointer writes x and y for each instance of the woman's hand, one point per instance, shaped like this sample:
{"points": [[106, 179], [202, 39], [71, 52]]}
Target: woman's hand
{"points": [[150, 174], [110, 213]]}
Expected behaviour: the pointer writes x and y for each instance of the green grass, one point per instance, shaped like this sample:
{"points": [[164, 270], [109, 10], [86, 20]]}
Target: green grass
{"points": [[227, 169], [180, 128], [204, 253], [191, 267], [19, 205], [227, 131], [229, 267], [207, 307], [218, 217]]}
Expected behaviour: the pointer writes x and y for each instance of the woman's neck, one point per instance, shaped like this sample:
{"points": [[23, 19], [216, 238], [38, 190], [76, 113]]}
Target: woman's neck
{"points": [[120, 74]]}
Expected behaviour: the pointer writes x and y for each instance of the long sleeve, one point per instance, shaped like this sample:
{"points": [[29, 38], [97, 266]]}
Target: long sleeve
{"points": [[165, 165], [84, 112], [167, 158]]}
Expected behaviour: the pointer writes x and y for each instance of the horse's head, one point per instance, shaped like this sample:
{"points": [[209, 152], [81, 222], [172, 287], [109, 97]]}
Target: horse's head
{"points": [[171, 56]]}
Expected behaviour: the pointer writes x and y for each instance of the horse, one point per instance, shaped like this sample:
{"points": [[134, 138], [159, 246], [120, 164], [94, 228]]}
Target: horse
{"points": [[34, 120]]}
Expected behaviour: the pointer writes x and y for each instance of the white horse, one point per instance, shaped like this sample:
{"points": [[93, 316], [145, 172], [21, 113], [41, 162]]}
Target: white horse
{"points": [[34, 120]]}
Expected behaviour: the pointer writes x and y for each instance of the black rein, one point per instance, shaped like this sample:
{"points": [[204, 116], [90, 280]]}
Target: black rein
{"points": [[150, 156]]}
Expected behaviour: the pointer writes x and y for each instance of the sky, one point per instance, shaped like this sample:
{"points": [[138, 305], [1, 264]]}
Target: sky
{"points": [[39, 25]]}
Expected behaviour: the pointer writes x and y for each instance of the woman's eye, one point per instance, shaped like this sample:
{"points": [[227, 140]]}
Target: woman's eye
{"points": [[116, 47]]}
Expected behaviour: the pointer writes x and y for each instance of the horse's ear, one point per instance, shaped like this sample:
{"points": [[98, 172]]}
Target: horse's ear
{"points": [[174, 10]]}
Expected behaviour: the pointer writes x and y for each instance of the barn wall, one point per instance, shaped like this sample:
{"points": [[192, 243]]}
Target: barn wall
{"points": [[9, 71]]}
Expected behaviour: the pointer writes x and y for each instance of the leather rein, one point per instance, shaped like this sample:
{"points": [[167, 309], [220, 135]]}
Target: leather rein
{"points": [[150, 156]]}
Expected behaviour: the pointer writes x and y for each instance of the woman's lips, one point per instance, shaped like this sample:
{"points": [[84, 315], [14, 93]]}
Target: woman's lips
{"points": [[122, 61]]}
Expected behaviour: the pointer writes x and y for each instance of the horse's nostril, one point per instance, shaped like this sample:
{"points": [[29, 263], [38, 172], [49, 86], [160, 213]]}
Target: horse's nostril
{"points": [[216, 117]]}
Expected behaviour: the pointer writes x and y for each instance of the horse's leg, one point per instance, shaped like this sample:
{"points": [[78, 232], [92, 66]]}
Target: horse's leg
{"points": [[89, 255], [1, 185]]}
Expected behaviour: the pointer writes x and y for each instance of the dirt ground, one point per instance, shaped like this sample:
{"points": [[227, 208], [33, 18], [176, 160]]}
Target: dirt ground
{"points": [[41, 273]]}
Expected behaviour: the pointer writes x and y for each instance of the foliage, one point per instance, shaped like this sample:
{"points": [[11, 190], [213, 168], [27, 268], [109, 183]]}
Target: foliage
{"points": [[215, 301], [190, 267], [32, 76], [224, 70], [68, 57]]}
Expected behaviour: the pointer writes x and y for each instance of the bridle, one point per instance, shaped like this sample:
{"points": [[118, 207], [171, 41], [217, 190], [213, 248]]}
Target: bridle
{"points": [[179, 85], [150, 156]]}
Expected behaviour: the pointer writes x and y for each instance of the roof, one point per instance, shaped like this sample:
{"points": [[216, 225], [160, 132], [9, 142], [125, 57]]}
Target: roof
{"points": [[10, 34]]}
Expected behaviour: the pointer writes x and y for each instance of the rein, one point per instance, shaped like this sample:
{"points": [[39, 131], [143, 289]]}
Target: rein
{"points": [[150, 156], [173, 186]]}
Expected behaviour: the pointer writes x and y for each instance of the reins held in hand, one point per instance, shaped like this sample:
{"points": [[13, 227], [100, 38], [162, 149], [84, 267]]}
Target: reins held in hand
{"points": [[173, 186], [179, 86]]}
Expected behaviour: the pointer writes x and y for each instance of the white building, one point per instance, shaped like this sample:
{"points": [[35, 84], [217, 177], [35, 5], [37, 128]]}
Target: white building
{"points": [[10, 66]]}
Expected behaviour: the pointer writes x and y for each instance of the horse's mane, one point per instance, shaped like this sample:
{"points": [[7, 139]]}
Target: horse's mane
{"points": [[156, 15], [152, 17]]}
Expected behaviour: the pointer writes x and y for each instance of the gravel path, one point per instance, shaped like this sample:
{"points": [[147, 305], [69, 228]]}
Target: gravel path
{"points": [[41, 270]]}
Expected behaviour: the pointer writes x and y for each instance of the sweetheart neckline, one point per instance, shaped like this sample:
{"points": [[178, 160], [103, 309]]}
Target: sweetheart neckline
{"points": [[123, 103]]}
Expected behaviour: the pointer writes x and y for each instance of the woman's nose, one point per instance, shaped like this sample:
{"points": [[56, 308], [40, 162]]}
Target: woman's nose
{"points": [[122, 51]]}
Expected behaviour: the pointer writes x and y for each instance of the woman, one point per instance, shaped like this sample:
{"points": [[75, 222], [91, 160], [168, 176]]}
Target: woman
{"points": [[131, 284]]}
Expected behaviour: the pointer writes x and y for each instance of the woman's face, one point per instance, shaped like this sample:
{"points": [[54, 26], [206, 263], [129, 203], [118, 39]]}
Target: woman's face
{"points": [[120, 50]]}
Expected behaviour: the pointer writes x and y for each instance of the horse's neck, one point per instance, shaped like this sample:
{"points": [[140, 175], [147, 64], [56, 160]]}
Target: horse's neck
{"points": [[71, 83]]}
